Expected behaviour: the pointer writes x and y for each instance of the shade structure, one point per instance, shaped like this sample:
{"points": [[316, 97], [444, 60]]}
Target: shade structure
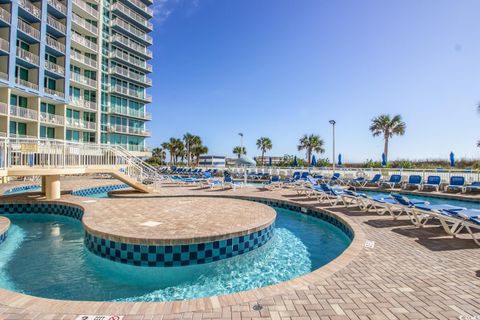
{"points": [[295, 163], [245, 161], [340, 159], [452, 159], [314, 161], [384, 159]]}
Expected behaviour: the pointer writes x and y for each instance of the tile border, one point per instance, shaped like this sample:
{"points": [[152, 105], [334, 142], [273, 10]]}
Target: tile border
{"points": [[94, 190], [14, 190]]}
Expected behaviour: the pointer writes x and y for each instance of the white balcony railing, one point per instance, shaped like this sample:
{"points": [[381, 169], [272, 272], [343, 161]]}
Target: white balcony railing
{"points": [[54, 67], [131, 59], [82, 103], [28, 29], [4, 45], [130, 113], [84, 42], [5, 15], [131, 44], [76, 56], [77, 123], [139, 19], [3, 108], [117, 128], [60, 26], [30, 7], [52, 42], [52, 118], [131, 75], [27, 56], [53, 92], [27, 84], [131, 29], [23, 113], [130, 93], [79, 78], [85, 7], [58, 5], [84, 24]]}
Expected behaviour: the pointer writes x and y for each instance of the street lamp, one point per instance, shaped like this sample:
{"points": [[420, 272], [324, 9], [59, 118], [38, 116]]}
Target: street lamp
{"points": [[333, 122], [241, 143]]}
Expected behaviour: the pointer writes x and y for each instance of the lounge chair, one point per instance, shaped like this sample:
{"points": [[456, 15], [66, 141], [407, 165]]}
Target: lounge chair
{"points": [[228, 182], [414, 182], [474, 187], [456, 184], [330, 194], [420, 214], [433, 182], [395, 180], [274, 183], [376, 180], [470, 219]]}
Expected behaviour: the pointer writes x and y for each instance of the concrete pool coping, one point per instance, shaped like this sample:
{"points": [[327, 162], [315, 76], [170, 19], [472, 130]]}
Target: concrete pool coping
{"points": [[43, 305]]}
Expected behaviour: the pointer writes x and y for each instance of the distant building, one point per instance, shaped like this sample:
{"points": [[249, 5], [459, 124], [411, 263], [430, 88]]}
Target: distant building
{"points": [[215, 161], [268, 160]]}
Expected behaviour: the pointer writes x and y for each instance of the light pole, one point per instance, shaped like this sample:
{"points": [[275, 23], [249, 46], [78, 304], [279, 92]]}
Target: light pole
{"points": [[332, 122], [241, 152]]}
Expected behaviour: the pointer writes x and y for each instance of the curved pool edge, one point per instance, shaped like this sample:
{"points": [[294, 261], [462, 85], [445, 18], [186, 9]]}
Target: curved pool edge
{"points": [[44, 305], [4, 227]]}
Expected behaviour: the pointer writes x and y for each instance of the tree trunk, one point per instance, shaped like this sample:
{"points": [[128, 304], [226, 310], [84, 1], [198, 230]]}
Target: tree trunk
{"points": [[263, 156], [309, 156], [385, 147]]}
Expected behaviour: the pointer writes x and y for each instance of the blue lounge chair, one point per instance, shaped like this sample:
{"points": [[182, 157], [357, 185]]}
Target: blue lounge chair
{"points": [[414, 182], [433, 182], [454, 221], [274, 183], [330, 194], [456, 184], [422, 213], [395, 179], [228, 182], [474, 187]]}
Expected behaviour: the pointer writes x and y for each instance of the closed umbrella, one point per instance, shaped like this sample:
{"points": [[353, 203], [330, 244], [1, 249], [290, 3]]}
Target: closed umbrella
{"points": [[314, 161], [295, 161], [452, 159], [384, 160], [339, 159], [270, 161]]}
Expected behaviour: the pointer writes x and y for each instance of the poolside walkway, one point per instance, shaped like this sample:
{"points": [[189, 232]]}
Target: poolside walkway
{"points": [[409, 273]]}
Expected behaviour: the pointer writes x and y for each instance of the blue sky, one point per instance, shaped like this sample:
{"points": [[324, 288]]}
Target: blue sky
{"points": [[281, 69]]}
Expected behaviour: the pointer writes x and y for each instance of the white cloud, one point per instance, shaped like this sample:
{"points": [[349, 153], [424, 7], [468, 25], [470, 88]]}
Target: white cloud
{"points": [[162, 9]]}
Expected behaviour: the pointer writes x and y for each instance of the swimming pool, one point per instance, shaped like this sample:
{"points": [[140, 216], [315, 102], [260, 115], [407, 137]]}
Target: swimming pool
{"points": [[98, 192], [68, 270], [433, 200], [22, 189]]}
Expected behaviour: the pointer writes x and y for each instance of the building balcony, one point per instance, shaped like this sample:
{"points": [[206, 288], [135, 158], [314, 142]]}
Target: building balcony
{"points": [[84, 25], [117, 89], [3, 108], [3, 75], [30, 8], [128, 44], [80, 124], [130, 113], [84, 60], [23, 113], [28, 56], [123, 26], [126, 58], [135, 18], [4, 45], [129, 130], [84, 43], [131, 76], [55, 44], [86, 8], [58, 69], [52, 119], [54, 23], [57, 5], [5, 16], [54, 93], [83, 104], [26, 84], [82, 80], [140, 7], [28, 30]]}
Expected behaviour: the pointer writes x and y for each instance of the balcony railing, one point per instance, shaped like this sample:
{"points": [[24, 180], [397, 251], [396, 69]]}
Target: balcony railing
{"points": [[60, 26], [84, 24], [54, 67], [139, 19], [5, 15], [28, 29], [3, 108], [27, 84], [133, 30], [28, 56], [83, 59], [23, 113], [59, 6], [55, 44], [29, 7], [129, 130], [130, 113], [54, 92], [142, 6], [52, 118], [128, 58], [85, 7], [80, 78], [130, 93], [131, 75], [84, 42], [82, 103], [77, 123], [132, 45], [4, 45], [3, 75]]}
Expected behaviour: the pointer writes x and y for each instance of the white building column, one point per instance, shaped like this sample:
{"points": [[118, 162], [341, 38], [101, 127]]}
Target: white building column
{"points": [[52, 187]]}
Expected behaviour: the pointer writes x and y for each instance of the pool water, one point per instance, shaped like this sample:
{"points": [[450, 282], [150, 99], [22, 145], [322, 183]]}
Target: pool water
{"points": [[98, 195], [433, 200], [45, 256], [33, 188]]}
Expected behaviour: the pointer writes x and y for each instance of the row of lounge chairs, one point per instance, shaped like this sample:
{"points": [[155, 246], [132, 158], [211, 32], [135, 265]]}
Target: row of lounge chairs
{"points": [[453, 219]]}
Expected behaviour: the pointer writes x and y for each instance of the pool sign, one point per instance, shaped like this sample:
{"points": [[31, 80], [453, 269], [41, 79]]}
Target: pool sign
{"points": [[99, 317]]}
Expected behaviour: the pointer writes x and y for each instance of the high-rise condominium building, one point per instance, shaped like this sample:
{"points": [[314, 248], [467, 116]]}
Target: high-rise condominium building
{"points": [[76, 70]]}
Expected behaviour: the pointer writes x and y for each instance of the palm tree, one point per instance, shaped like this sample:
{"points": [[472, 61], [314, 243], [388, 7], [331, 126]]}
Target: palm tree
{"points": [[198, 150], [311, 143], [264, 144], [171, 149], [388, 127], [175, 147], [190, 141], [159, 154], [239, 151]]}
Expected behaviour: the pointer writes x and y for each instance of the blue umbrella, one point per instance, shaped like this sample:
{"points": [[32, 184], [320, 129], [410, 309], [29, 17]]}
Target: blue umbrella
{"points": [[339, 159], [452, 159], [384, 160], [314, 161], [270, 161], [295, 161]]}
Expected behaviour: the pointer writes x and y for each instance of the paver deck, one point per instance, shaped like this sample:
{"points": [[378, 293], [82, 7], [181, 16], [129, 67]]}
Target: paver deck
{"points": [[409, 273]]}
